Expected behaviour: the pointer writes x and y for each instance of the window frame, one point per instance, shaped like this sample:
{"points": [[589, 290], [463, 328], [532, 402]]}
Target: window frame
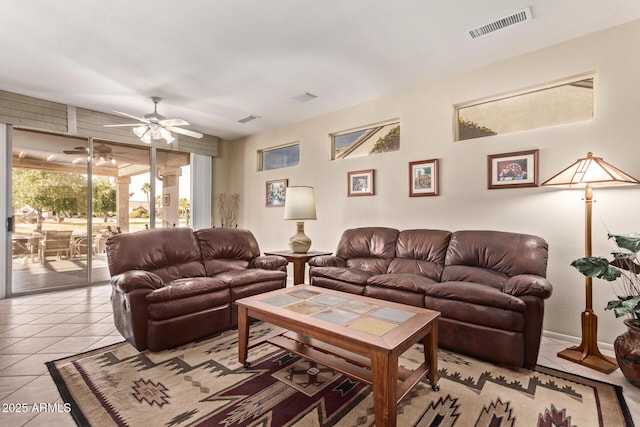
{"points": [[261, 155], [525, 91], [333, 135]]}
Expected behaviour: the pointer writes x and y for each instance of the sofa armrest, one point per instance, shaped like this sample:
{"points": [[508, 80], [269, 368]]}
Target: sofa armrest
{"points": [[269, 262], [327, 261], [136, 279], [528, 284]]}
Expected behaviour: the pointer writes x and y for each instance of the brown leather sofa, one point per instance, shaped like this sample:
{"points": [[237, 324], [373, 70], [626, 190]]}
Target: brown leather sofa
{"points": [[171, 286], [490, 286]]}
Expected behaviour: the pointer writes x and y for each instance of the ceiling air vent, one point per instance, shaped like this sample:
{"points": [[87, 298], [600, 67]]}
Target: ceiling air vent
{"points": [[516, 18], [248, 118]]}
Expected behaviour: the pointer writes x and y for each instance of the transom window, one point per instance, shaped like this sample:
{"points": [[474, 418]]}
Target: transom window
{"points": [[567, 102], [283, 156], [372, 139]]}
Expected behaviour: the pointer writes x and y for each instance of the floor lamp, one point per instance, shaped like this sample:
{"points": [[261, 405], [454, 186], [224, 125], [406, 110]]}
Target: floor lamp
{"points": [[587, 173]]}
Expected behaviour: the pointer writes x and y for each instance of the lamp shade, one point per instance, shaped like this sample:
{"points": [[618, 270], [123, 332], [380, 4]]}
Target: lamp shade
{"points": [[300, 203], [590, 170]]}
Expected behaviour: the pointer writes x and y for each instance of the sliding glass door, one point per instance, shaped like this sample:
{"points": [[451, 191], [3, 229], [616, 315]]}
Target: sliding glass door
{"points": [[49, 187], [70, 194]]}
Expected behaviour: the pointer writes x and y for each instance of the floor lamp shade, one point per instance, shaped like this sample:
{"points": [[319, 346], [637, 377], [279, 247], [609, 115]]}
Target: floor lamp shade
{"points": [[587, 173], [300, 205]]}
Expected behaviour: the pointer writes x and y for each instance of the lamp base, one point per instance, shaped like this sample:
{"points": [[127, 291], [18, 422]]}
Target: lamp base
{"points": [[299, 242], [602, 363], [588, 353]]}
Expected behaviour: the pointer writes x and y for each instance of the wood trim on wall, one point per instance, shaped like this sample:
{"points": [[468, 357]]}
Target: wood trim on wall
{"points": [[37, 114]]}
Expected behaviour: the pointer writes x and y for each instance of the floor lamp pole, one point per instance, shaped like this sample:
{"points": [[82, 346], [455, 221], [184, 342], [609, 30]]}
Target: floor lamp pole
{"points": [[587, 353]]}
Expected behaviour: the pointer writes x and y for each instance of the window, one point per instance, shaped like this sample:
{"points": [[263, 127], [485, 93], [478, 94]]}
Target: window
{"points": [[566, 102], [279, 157], [373, 139]]}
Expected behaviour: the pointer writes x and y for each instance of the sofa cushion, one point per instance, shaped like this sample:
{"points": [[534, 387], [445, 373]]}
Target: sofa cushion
{"points": [[477, 314], [185, 296], [405, 282], [187, 287], [367, 242], [475, 293], [371, 265], [171, 253], [343, 274], [465, 273], [420, 252], [227, 243], [508, 253], [235, 278], [217, 266]]}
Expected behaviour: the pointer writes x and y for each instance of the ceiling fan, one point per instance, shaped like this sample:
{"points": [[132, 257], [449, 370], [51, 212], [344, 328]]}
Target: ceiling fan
{"points": [[103, 153], [156, 126]]}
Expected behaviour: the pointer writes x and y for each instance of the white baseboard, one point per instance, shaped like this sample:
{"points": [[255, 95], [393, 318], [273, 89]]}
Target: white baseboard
{"points": [[576, 340]]}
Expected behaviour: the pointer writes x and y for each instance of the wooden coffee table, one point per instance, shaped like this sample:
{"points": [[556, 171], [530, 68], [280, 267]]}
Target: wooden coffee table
{"points": [[358, 336]]}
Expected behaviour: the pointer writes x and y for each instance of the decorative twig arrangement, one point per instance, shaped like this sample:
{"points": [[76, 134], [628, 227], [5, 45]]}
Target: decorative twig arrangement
{"points": [[228, 205]]}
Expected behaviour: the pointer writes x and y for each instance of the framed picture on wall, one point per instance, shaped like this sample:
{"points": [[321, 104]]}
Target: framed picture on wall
{"points": [[423, 178], [275, 193], [360, 183], [509, 170]]}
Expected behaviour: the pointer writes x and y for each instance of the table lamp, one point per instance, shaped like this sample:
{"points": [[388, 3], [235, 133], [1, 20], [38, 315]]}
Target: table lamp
{"points": [[587, 173], [300, 204]]}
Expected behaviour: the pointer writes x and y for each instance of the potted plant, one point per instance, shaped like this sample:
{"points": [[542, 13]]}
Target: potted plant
{"points": [[624, 269]]}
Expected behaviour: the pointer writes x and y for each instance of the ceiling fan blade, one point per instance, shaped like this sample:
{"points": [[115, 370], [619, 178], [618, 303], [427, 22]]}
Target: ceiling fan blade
{"points": [[186, 132], [77, 150], [174, 122], [122, 125], [142, 119]]}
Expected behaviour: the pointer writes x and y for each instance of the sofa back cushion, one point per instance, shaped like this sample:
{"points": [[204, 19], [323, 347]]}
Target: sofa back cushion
{"points": [[368, 248], [171, 253], [491, 257], [420, 252], [226, 249]]}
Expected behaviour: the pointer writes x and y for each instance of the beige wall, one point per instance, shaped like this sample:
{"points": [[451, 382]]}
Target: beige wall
{"points": [[465, 202]]}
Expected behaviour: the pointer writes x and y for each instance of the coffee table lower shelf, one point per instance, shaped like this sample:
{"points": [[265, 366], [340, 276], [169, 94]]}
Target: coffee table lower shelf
{"points": [[345, 362]]}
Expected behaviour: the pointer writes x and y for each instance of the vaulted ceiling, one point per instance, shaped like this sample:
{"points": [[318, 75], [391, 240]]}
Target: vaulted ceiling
{"points": [[215, 62]]}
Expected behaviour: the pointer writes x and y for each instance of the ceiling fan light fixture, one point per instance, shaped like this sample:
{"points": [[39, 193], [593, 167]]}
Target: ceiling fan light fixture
{"points": [[140, 131], [146, 138], [166, 135]]}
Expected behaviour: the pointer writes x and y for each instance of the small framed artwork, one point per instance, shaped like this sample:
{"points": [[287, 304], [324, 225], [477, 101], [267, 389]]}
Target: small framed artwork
{"points": [[423, 178], [276, 191], [509, 170], [166, 199], [360, 183]]}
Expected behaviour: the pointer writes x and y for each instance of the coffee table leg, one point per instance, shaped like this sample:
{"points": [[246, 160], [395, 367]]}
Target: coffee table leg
{"points": [[430, 343], [384, 372], [243, 336]]}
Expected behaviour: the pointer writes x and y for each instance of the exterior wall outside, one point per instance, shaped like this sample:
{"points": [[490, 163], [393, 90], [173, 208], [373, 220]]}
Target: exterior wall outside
{"points": [[426, 117]]}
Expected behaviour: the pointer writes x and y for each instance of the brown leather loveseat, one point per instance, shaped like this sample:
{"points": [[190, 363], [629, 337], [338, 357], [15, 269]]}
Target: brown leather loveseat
{"points": [[490, 286], [171, 286]]}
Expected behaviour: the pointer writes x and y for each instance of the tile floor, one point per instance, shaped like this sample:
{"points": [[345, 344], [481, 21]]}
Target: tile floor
{"points": [[38, 328]]}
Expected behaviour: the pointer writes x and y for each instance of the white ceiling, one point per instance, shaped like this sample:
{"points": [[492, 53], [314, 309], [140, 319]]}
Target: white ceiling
{"points": [[216, 61]]}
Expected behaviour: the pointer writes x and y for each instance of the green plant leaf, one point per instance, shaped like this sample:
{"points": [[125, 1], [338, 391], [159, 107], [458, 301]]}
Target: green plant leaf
{"points": [[596, 267], [630, 242], [624, 306]]}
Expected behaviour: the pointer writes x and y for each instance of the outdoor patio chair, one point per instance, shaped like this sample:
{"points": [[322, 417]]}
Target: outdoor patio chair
{"points": [[56, 241]]}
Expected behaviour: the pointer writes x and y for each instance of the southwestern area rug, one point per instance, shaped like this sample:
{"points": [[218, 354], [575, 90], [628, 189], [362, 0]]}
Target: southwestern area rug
{"points": [[202, 384]]}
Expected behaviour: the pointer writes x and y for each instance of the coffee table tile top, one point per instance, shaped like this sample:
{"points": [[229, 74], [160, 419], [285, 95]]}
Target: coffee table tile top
{"points": [[329, 300], [372, 326], [337, 316], [281, 300], [393, 314], [365, 317], [306, 307]]}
